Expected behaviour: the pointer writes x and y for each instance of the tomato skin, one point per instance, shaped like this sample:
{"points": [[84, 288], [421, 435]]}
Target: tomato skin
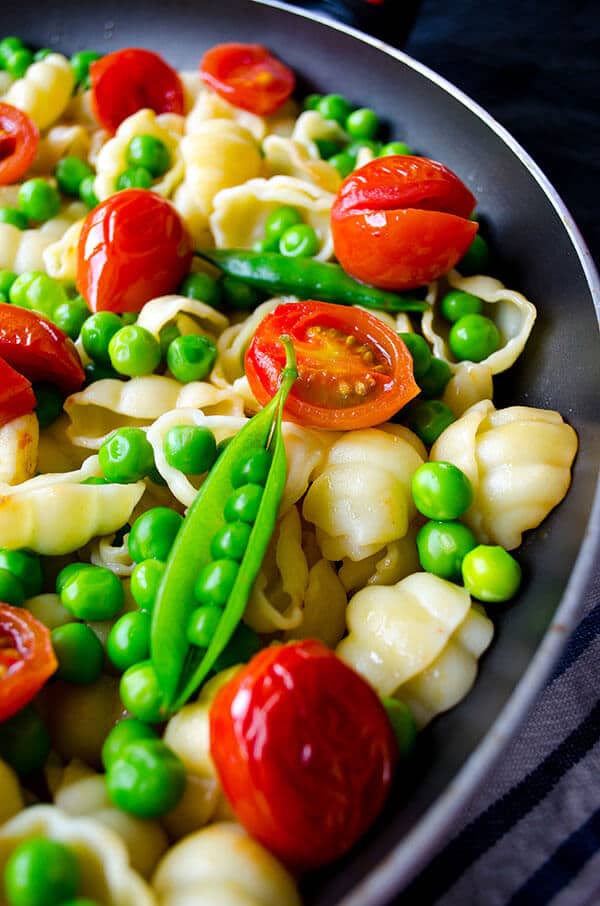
{"points": [[128, 80], [248, 76], [401, 221], [304, 751], [36, 348], [26, 658], [329, 364], [133, 247], [19, 139], [16, 394]]}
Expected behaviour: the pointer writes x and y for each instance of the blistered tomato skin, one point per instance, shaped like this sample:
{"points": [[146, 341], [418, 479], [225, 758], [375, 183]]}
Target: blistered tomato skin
{"points": [[19, 139], [401, 221], [132, 248], [304, 751], [248, 76]]}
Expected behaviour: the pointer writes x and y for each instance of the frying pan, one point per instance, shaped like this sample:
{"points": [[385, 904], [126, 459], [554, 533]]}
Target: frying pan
{"points": [[540, 252]]}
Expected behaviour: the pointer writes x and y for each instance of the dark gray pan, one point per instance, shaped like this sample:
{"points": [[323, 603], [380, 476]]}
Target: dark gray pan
{"points": [[539, 252]]}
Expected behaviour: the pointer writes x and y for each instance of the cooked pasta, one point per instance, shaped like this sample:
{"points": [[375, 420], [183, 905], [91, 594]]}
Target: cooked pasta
{"points": [[18, 449], [44, 91]]}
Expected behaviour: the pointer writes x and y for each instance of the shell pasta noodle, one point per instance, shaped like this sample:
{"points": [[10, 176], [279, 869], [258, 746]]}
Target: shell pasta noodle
{"points": [[256, 500]]}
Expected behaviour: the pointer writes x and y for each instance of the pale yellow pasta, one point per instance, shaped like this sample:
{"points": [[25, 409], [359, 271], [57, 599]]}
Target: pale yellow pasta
{"points": [[470, 383], [116, 558], [11, 797], [223, 861], [210, 106], [286, 157], [60, 257], [240, 213], [311, 127], [49, 610], [44, 91], [62, 140], [112, 158], [56, 453], [518, 460], [386, 567], [323, 607], [105, 871], [23, 250], [159, 312], [6, 81], [234, 341], [18, 449]]}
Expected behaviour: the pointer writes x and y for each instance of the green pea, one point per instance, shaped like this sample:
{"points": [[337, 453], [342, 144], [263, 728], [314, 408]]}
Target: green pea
{"points": [[141, 694], [126, 456], [191, 357], [203, 624], [403, 724], [203, 288], [129, 640], [26, 567], [327, 147], [231, 541], [243, 645], [42, 53], [70, 173], [134, 351], [167, 334], [441, 491], [147, 779], [420, 352], [14, 217], [300, 241], [476, 258], [192, 449], [240, 295], [393, 148], [490, 574], [215, 582], [70, 316], [97, 332], [79, 652], [94, 479], [335, 107], [312, 101], [134, 178], [362, 123], [67, 573], [80, 64], [36, 290], [344, 163], [38, 200], [149, 152], [356, 146], [244, 503], [87, 191], [126, 731], [428, 419], [265, 245], [25, 741], [93, 594], [7, 278], [49, 403], [442, 547], [41, 872], [434, 380], [19, 62], [153, 533], [145, 579], [11, 589], [473, 338], [3, 297], [7, 47], [251, 468], [456, 303], [280, 219], [223, 444], [95, 371]]}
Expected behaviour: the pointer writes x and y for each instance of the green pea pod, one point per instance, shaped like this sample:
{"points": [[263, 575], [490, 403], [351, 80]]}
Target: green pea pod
{"points": [[305, 278], [182, 667]]}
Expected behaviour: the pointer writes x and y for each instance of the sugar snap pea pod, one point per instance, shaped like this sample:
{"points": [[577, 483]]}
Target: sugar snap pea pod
{"points": [[180, 666], [305, 278]]}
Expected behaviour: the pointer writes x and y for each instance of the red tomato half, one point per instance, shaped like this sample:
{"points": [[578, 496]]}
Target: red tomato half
{"points": [[38, 349], [353, 370], [304, 751], [26, 658], [133, 247], [401, 221], [248, 76], [16, 396], [19, 138], [129, 80]]}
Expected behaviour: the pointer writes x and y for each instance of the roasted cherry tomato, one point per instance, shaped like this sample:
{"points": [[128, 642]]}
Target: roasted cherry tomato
{"points": [[16, 394], [133, 247], [19, 138], [353, 370], [248, 76], [128, 80], [26, 658], [304, 751], [38, 349], [401, 221]]}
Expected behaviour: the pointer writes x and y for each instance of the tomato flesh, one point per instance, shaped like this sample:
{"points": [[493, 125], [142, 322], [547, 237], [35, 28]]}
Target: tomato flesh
{"points": [[248, 76], [26, 658], [353, 370], [19, 139], [304, 751], [16, 394]]}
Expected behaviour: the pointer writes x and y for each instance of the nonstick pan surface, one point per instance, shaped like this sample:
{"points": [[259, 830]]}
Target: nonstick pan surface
{"points": [[540, 253]]}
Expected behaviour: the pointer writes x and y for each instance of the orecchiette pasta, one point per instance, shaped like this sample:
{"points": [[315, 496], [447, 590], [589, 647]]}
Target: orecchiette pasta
{"points": [[60, 257], [311, 127], [323, 607], [210, 106], [234, 341], [396, 561], [286, 157], [164, 310], [23, 250], [470, 383], [44, 91], [71, 140], [18, 449]]}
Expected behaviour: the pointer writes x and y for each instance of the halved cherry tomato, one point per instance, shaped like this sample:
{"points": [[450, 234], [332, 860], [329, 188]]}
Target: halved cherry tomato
{"points": [[38, 349], [16, 395], [19, 138], [26, 658], [304, 751], [128, 80], [401, 221], [133, 247], [353, 370], [248, 76]]}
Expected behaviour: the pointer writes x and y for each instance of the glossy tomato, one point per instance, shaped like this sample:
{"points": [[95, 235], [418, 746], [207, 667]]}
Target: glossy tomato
{"points": [[353, 370], [26, 658], [401, 221], [128, 80], [19, 138], [16, 395], [248, 76], [133, 247], [304, 751], [38, 349]]}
